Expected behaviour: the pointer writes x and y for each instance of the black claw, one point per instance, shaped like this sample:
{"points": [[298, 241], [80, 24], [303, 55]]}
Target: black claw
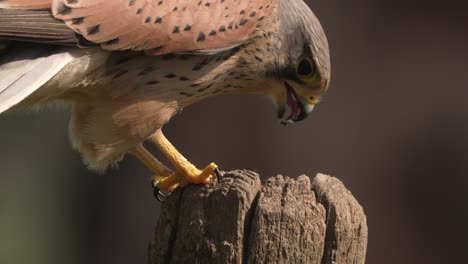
{"points": [[161, 197], [158, 194], [218, 174]]}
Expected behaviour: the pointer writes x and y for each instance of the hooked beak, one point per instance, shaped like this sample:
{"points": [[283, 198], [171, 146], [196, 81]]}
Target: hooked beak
{"points": [[298, 106]]}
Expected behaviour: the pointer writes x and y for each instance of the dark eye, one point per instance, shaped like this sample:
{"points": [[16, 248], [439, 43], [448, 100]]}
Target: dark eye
{"points": [[305, 68]]}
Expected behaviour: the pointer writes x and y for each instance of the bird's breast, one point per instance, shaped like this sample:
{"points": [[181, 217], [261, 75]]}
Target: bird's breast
{"points": [[182, 79]]}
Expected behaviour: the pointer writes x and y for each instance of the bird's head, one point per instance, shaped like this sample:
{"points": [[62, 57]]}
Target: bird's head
{"points": [[300, 74]]}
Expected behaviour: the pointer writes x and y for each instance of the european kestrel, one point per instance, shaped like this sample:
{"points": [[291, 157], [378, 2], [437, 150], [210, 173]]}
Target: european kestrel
{"points": [[127, 66]]}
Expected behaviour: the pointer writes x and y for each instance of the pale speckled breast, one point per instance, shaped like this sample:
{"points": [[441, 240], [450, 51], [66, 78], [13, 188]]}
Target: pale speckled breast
{"points": [[183, 78], [131, 96]]}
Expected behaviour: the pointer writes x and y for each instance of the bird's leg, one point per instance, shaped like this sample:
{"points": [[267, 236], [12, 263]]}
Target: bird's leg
{"points": [[155, 166], [151, 162], [186, 172]]}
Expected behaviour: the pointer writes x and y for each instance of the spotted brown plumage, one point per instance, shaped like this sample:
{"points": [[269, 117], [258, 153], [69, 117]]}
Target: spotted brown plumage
{"points": [[26, 4], [120, 25], [126, 67]]}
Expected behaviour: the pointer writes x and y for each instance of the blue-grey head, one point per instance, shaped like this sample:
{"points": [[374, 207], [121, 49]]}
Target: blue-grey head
{"points": [[301, 71]]}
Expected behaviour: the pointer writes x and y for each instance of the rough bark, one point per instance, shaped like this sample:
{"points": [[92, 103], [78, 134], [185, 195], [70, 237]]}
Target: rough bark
{"points": [[240, 221]]}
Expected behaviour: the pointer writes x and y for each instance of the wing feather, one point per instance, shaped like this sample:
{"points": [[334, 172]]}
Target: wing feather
{"points": [[24, 71], [162, 26], [26, 4], [158, 26], [35, 26]]}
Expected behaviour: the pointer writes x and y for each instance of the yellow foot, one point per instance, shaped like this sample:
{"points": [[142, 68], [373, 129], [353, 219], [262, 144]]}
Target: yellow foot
{"points": [[184, 176], [166, 180]]}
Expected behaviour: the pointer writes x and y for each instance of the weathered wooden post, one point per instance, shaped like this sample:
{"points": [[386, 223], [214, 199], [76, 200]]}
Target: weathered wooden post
{"points": [[240, 221]]}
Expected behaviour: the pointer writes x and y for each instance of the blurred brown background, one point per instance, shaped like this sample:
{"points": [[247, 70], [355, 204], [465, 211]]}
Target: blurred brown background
{"points": [[393, 127]]}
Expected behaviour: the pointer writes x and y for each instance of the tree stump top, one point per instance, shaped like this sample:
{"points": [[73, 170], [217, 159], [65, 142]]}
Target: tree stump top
{"points": [[240, 221]]}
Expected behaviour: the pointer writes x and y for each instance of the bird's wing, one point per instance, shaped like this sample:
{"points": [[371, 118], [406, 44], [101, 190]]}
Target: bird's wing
{"points": [[24, 71], [26, 4], [159, 26], [162, 26], [35, 26]]}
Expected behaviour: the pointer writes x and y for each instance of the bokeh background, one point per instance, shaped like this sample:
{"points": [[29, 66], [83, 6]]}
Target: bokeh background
{"points": [[393, 128]]}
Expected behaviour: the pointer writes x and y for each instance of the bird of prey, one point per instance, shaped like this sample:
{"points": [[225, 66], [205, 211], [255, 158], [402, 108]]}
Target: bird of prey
{"points": [[126, 67]]}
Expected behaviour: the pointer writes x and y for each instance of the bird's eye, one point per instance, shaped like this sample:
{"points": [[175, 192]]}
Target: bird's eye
{"points": [[305, 68]]}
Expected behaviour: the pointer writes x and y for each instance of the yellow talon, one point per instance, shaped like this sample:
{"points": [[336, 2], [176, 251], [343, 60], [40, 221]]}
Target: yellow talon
{"points": [[191, 175], [168, 184], [165, 179], [208, 172], [195, 175]]}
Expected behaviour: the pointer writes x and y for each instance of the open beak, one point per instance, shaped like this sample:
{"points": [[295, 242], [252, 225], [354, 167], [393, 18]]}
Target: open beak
{"points": [[295, 109]]}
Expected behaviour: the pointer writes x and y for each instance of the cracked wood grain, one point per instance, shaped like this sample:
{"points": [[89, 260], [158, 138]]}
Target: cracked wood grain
{"points": [[240, 221]]}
